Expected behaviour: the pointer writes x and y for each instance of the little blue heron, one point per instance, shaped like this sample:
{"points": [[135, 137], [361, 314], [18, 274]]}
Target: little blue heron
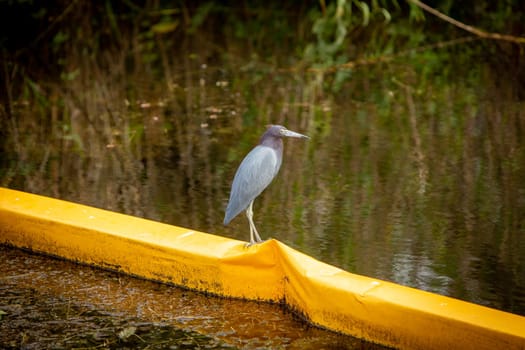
{"points": [[255, 173]]}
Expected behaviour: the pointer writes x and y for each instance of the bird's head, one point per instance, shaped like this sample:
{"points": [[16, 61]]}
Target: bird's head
{"points": [[281, 131]]}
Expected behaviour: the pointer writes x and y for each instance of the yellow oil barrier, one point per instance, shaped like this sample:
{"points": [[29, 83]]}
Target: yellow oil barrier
{"points": [[367, 308]]}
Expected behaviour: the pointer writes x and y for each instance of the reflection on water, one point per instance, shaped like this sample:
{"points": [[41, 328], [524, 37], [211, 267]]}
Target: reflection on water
{"points": [[423, 187]]}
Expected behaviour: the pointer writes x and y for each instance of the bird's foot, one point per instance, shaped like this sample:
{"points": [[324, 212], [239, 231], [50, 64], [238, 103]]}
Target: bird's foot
{"points": [[248, 245]]}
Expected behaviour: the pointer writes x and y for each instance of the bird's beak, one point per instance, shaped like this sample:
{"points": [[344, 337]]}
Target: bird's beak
{"points": [[289, 133]]}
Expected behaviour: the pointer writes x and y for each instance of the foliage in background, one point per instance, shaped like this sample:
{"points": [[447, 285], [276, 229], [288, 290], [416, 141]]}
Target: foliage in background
{"points": [[323, 34], [89, 68], [133, 106]]}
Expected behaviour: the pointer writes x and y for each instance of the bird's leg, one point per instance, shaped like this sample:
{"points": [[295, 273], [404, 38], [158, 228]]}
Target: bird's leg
{"points": [[249, 215], [254, 235]]}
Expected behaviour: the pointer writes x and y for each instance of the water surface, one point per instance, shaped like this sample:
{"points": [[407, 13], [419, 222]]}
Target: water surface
{"points": [[408, 177]]}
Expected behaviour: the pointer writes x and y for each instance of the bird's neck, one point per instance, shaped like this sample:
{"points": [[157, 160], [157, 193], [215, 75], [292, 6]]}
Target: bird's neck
{"points": [[273, 142]]}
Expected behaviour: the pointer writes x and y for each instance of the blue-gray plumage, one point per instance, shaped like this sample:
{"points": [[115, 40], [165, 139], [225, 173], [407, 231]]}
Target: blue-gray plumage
{"points": [[255, 173]]}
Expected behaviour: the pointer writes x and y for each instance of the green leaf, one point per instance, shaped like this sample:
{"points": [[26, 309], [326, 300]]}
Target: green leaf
{"points": [[366, 12], [387, 15], [200, 16], [164, 27]]}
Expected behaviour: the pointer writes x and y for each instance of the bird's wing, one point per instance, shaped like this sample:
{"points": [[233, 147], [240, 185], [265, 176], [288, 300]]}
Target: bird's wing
{"points": [[255, 173]]}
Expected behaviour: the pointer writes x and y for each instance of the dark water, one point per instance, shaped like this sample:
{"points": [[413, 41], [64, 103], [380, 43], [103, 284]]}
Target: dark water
{"points": [[412, 178]]}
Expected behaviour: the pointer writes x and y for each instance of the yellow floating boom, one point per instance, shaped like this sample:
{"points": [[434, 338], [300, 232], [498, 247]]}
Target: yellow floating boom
{"points": [[367, 308]]}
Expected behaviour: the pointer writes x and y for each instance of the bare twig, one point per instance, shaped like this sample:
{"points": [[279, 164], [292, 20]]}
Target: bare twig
{"points": [[476, 31], [479, 34], [56, 20]]}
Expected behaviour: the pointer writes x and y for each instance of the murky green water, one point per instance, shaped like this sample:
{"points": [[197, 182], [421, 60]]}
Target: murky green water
{"points": [[421, 185], [414, 173]]}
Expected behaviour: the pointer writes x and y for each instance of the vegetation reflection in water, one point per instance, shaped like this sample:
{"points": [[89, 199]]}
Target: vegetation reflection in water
{"points": [[414, 173]]}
